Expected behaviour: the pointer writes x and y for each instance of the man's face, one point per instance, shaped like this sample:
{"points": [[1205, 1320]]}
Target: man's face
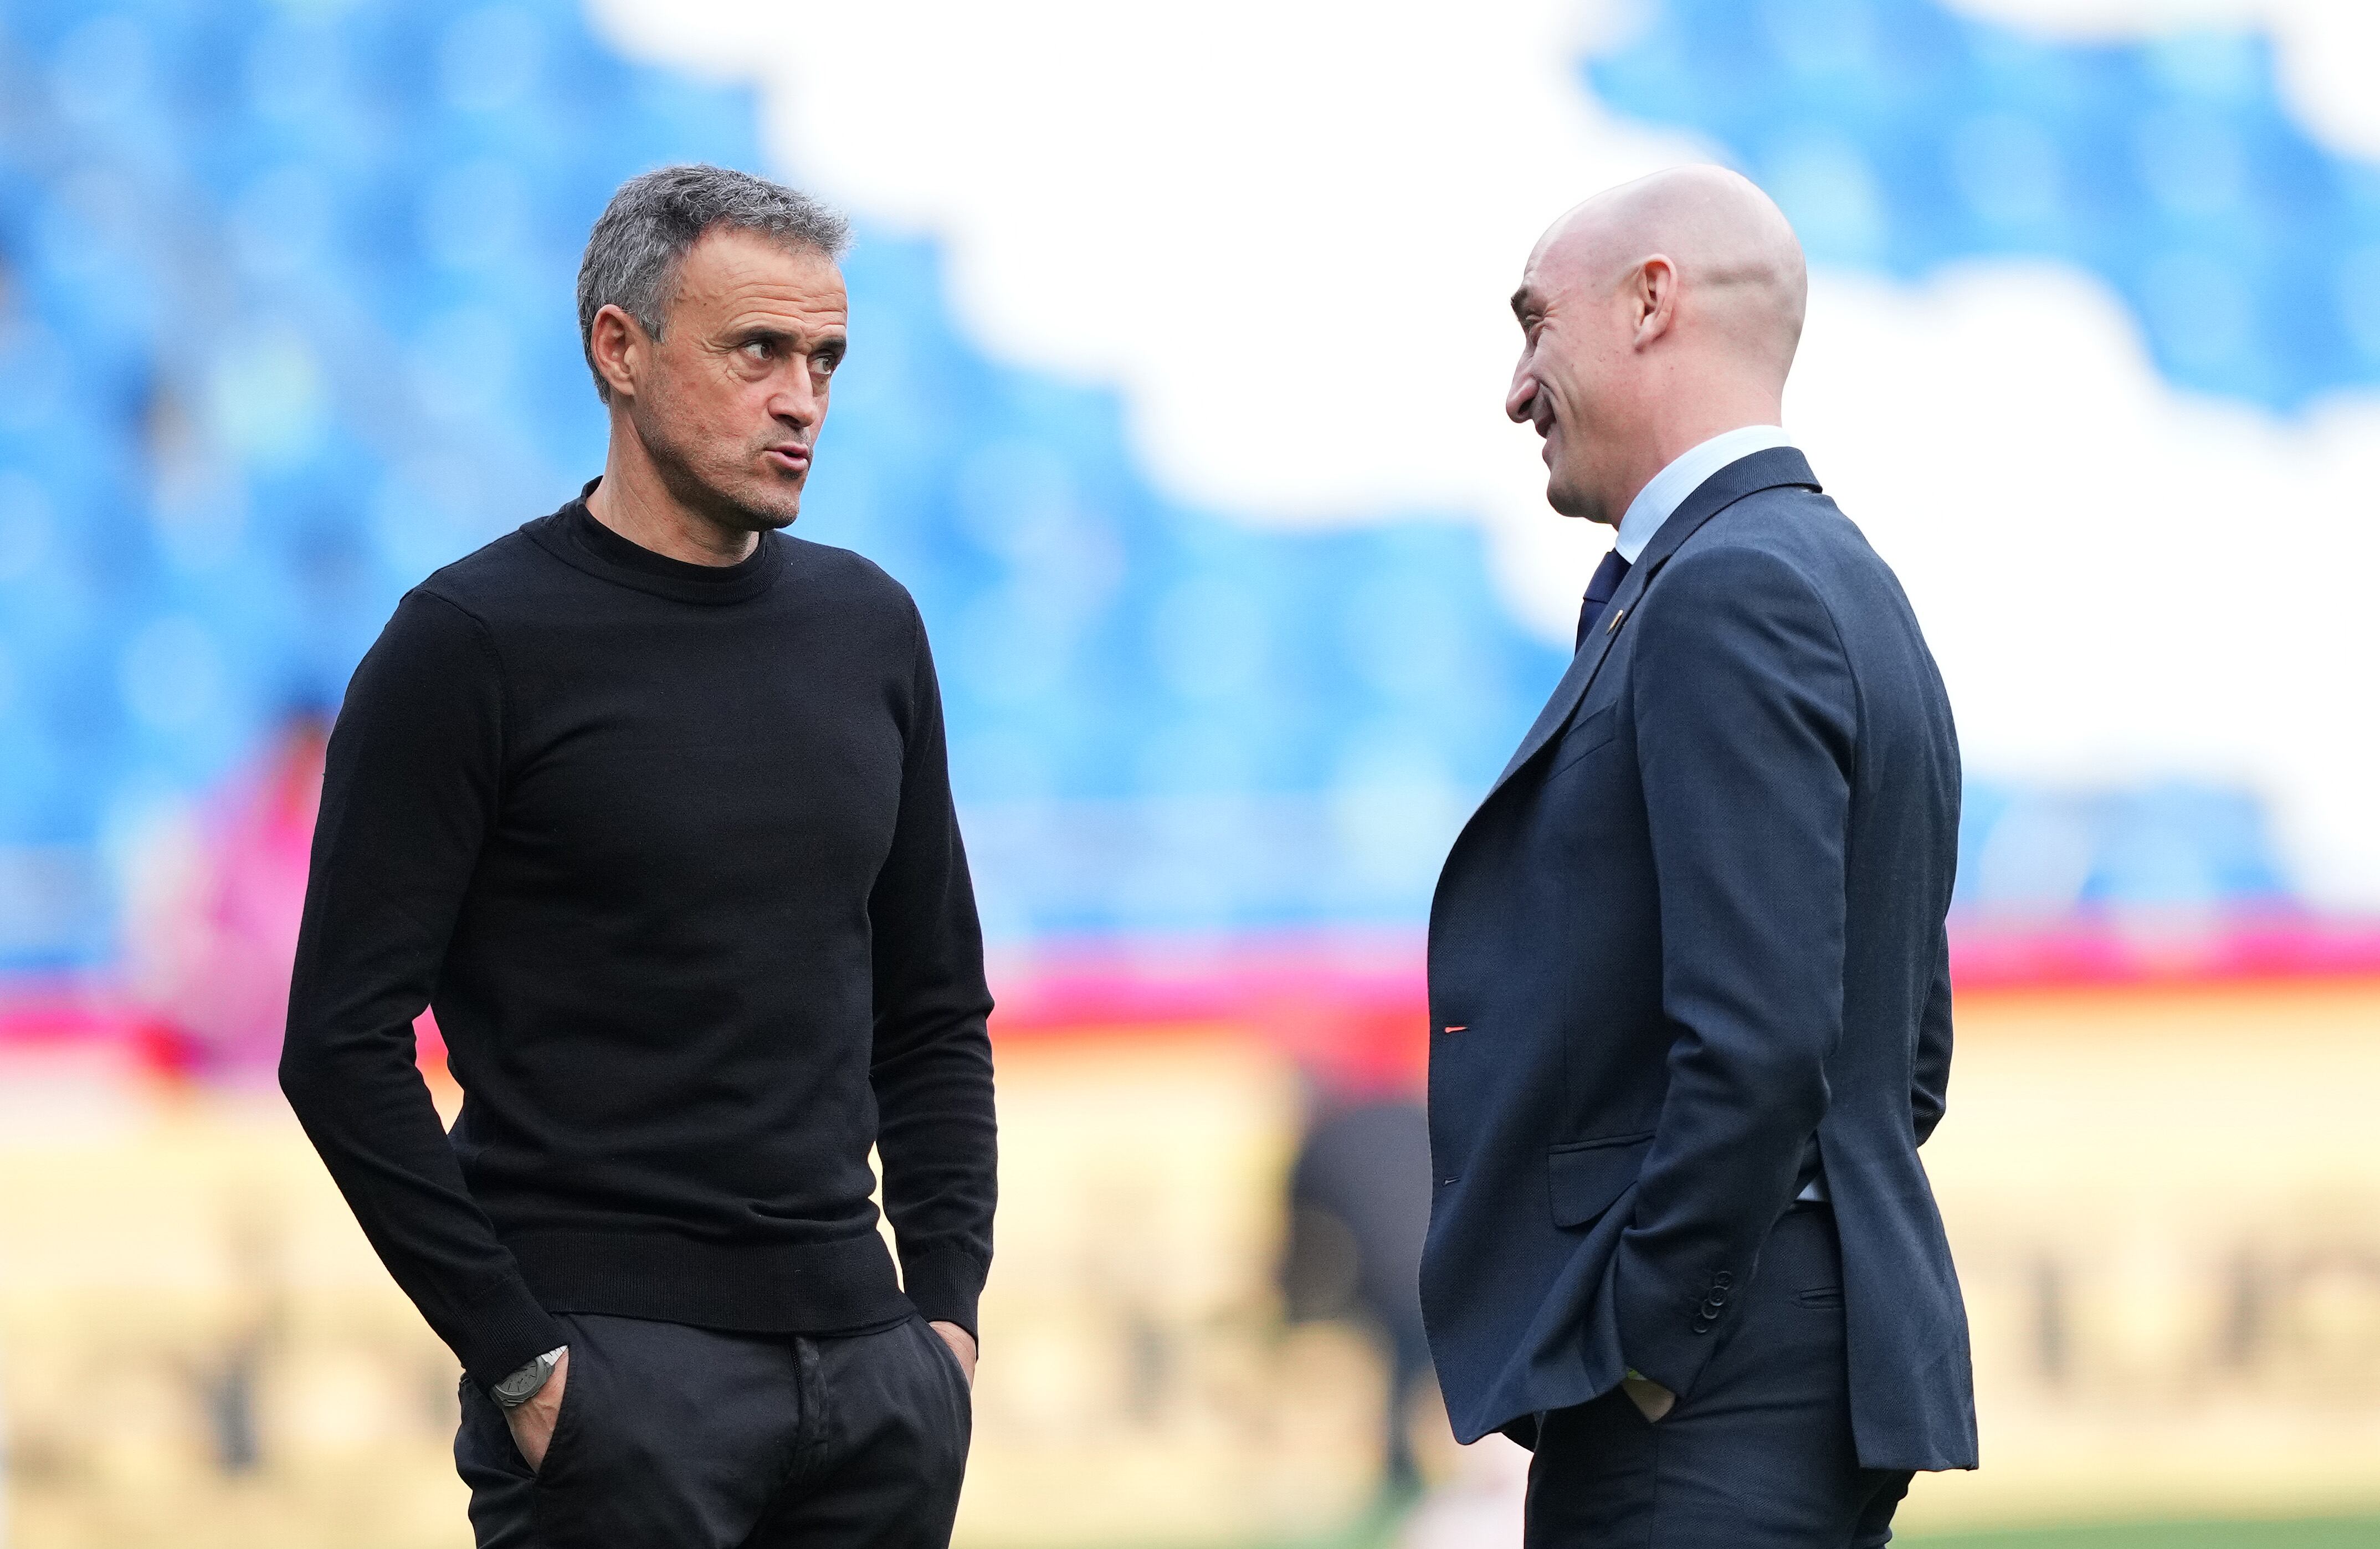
{"points": [[729, 400], [1573, 351]]}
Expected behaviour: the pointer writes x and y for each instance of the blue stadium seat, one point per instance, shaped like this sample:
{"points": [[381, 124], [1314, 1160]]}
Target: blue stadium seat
{"points": [[287, 319]]}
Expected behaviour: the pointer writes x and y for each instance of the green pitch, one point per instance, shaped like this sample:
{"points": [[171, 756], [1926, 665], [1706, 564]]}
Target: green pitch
{"points": [[2362, 1532], [1380, 1530]]}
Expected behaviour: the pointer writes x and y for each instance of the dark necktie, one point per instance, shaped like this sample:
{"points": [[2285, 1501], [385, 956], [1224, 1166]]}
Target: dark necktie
{"points": [[1599, 588]]}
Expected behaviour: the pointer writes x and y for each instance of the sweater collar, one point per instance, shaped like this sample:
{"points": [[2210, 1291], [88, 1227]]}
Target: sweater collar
{"points": [[573, 535]]}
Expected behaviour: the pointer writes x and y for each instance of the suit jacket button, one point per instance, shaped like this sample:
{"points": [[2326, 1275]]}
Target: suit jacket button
{"points": [[1702, 1325], [1722, 1279]]}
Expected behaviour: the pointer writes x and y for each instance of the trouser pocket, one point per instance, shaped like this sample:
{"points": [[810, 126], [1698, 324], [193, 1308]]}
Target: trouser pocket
{"points": [[483, 1442], [946, 1359], [567, 1507], [495, 1471]]}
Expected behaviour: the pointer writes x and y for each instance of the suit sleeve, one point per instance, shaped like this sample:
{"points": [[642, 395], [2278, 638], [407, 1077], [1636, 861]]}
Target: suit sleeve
{"points": [[1746, 718], [936, 1134], [1929, 1089], [408, 792]]}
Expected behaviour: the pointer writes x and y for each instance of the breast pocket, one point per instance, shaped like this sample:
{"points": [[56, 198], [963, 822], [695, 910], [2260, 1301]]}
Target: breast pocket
{"points": [[1586, 1176], [1585, 736]]}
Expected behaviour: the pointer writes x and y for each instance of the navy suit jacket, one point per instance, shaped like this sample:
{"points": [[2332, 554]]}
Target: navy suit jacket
{"points": [[1698, 920]]}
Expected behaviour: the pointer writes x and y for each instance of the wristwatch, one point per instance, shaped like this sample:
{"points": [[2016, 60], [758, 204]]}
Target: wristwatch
{"points": [[524, 1384]]}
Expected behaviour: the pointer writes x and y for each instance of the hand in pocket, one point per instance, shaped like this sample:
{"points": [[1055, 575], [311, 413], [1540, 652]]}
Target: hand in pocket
{"points": [[1652, 1400], [962, 1345], [532, 1423]]}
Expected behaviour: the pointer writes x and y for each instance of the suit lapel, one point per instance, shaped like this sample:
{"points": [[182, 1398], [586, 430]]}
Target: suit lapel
{"points": [[1762, 470]]}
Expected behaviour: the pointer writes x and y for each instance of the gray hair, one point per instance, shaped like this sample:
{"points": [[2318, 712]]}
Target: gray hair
{"points": [[642, 239]]}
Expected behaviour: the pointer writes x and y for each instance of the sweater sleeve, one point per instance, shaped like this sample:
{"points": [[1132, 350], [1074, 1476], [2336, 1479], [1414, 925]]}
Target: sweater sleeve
{"points": [[936, 1136], [409, 791]]}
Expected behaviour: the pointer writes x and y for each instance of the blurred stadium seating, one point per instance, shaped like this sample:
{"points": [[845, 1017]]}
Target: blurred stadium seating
{"points": [[1905, 135], [287, 307]]}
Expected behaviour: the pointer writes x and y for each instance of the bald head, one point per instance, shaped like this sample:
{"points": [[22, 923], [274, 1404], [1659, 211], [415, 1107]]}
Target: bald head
{"points": [[1656, 314], [1741, 285]]}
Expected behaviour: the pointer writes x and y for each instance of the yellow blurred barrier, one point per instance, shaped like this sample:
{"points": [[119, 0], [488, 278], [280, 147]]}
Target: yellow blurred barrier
{"points": [[2166, 1208]]}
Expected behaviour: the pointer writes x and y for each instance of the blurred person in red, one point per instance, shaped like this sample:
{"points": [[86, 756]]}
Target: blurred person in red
{"points": [[215, 904]]}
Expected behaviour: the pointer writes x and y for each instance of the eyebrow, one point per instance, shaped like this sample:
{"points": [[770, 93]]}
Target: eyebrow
{"points": [[1521, 302], [761, 334]]}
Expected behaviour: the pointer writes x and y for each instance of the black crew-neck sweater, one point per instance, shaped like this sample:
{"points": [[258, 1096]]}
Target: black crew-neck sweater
{"points": [[670, 851]]}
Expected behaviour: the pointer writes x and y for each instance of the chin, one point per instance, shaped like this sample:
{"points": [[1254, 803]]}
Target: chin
{"points": [[1577, 499], [773, 517], [765, 508]]}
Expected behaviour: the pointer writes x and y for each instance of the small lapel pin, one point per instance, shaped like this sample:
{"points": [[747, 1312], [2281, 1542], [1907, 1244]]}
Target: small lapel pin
{"points": [[1617, 614]]}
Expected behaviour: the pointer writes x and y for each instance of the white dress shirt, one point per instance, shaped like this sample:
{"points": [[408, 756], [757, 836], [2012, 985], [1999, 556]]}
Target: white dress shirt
{"points": [[1667, 490]]}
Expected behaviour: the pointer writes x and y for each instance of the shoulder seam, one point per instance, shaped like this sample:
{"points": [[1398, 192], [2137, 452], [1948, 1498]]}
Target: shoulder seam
{"points": [[1834, 626], [485, 636]]}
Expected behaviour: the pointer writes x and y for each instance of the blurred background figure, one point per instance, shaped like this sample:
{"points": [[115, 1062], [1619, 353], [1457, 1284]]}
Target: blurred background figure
{"points": [[1358, 1208], [210, 917], [1241, 599]]}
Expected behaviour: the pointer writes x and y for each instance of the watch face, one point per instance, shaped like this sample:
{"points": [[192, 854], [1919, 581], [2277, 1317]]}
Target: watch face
{"points": [[523, 1382]]}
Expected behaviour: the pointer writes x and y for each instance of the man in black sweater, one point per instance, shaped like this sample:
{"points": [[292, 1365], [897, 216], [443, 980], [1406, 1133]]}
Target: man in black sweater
{"points": [[648, 802]]}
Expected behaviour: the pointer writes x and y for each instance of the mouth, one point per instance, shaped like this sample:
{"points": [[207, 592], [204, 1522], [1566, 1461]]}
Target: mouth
{"points": [[792, 457]]}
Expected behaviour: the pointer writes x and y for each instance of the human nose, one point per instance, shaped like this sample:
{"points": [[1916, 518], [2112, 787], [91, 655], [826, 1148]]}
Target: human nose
{"points": [[800, 398], [1520, 399]]}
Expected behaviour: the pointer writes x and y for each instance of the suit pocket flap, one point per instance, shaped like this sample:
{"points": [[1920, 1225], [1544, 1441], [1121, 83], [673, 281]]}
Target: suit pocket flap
{"points": [[1588, 1175]]}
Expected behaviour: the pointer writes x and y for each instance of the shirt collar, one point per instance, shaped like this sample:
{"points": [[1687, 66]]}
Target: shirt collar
{"points": [[1668, 488]]}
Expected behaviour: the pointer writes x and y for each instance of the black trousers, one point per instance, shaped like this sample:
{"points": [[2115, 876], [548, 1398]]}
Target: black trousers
{"points": [[1758, 1456], [672, 1437]]}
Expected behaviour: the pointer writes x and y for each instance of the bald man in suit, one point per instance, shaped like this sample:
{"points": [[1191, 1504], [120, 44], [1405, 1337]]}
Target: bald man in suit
{"points": [[1689, 982]]}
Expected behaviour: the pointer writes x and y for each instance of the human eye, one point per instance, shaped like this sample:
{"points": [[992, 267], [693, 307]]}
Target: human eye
{"points": [[757, 351]]}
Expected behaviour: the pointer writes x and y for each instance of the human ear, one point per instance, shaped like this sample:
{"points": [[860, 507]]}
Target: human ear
{"points": [[618, 342], [1656, 298]]}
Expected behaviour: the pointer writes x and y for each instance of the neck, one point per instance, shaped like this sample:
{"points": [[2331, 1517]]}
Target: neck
{"points": [[1679, 429], [635, 502]]}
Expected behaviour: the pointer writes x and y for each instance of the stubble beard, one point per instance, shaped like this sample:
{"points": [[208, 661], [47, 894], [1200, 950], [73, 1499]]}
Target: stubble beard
{"points": [[709, 494]]}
